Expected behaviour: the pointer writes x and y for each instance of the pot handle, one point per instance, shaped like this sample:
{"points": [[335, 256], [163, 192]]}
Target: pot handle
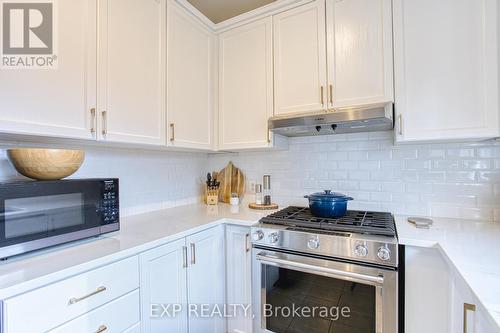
{"points": [[306, 196], [349, 198]]}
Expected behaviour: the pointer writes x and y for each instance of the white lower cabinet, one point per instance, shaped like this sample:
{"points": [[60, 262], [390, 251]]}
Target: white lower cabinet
{"points": [[206, 280], [239, 278], [163, 282], [117, 316], [48, 307], [188, 273], [437, 299], [467, 314], [427, 285]]}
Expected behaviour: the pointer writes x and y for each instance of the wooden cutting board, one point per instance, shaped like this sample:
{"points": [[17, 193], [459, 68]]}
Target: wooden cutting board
{"points": [[232, 180]]}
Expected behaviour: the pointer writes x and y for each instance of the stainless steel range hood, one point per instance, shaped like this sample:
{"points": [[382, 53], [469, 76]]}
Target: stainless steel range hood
{"points": [[370, 118]]}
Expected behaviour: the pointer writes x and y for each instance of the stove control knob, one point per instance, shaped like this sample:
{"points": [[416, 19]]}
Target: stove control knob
{"points": [[384, 254], [313, 243], [361, 250], [273, 238], [257, 235]]}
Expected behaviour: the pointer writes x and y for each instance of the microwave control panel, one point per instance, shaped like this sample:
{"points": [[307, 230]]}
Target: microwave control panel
{"points": [[110, 206]]}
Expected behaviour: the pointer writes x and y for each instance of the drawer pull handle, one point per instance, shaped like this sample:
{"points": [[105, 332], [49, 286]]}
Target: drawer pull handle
{"points": [[101, 328], [78, 299]]}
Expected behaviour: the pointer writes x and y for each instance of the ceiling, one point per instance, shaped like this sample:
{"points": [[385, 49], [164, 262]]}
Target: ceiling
{"points": [[221, 10]]}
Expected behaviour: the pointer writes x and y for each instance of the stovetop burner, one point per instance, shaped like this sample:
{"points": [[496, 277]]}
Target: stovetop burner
{"points": [[361, 222]]}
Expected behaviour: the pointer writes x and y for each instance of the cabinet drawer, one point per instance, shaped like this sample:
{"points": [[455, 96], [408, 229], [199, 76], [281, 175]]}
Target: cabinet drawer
{"points": [[114, 317], [48, 307]]}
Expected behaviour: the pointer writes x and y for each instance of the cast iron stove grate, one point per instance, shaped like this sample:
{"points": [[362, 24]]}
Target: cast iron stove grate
{"points": [[362, 222]]}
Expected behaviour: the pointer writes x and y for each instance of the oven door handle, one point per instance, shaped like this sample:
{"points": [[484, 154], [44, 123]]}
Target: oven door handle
{"points": [[275, 260]]}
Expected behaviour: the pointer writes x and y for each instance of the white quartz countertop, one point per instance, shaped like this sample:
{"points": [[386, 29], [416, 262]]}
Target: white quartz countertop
{"points": [[138, 233], [472, 247]]}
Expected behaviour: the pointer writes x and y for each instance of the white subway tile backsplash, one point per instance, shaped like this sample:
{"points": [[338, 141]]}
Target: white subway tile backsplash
{"points": [[443, 179], [149, 180]]}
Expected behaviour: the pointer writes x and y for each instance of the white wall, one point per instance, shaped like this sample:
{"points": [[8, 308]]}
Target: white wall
{"points": [[441, 180], [149, 180]]}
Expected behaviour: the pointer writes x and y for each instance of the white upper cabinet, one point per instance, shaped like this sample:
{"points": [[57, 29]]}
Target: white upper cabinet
{"points": [[446, 69], [131, 71], [246, 86], [56, 101], [190, 80], [359, 43], [300, 60]]}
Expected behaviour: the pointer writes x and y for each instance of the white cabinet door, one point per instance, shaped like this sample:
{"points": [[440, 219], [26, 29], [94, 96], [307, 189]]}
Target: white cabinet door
{"points": [[300, 60], [427, 291], [131, 71], [163, 282], [206, 279], [190, 80], [58, 101], [245, 85], [239, 277], [360, 64], [467, 310], [446, 69], [461, 299]]}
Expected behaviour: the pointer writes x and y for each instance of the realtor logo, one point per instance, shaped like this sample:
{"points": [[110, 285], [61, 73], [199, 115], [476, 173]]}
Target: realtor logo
{"points": [[28, 34]]}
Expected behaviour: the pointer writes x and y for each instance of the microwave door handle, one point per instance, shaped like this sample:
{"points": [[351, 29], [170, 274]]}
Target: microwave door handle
{"points": [[336, 273]]}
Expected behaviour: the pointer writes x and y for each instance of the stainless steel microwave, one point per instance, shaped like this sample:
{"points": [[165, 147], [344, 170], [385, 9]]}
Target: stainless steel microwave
{"points": [[39, 214]]}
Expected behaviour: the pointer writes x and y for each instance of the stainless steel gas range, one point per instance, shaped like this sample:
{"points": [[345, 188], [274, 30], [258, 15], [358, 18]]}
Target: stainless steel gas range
{"points": [[325, 275]]}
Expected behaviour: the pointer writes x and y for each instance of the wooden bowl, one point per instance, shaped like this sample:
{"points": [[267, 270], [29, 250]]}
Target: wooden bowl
{"points": [[46, 164]]}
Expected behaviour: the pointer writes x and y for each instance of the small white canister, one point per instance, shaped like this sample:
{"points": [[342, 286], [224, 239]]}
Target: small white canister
{"points": [[234, 200]]}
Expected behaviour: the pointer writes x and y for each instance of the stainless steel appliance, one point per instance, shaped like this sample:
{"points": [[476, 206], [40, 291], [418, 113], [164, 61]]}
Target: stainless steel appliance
{"points": [[368, 118], [302, 261], [39, 214]]}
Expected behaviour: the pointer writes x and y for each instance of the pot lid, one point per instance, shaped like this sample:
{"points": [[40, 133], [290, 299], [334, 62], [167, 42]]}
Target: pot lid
{"points": [[329, 195]]}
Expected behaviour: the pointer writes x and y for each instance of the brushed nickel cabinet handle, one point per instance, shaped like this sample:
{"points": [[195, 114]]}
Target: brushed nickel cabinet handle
{"points": [[79, 299], [172, 132], [467, 307], [92, 120], [101, 329], [400, 125], [184, 257], [268, 135], [193, 253], [247, 243], [331, 94], [322, 96], [104, 122]]}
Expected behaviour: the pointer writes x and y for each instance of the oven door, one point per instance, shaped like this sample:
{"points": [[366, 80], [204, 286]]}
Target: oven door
{"points": [[34, 215], [296, 293]]}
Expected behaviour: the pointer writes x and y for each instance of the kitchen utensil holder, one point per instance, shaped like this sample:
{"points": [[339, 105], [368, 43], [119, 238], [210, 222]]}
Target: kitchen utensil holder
{"points": [[211, 196]]}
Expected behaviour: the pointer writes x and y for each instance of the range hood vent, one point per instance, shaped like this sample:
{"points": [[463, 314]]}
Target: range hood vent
{"points": [[370, 118]]}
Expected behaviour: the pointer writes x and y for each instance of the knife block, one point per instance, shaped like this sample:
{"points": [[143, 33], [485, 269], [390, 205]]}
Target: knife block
{"points": [[211, 196]]}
